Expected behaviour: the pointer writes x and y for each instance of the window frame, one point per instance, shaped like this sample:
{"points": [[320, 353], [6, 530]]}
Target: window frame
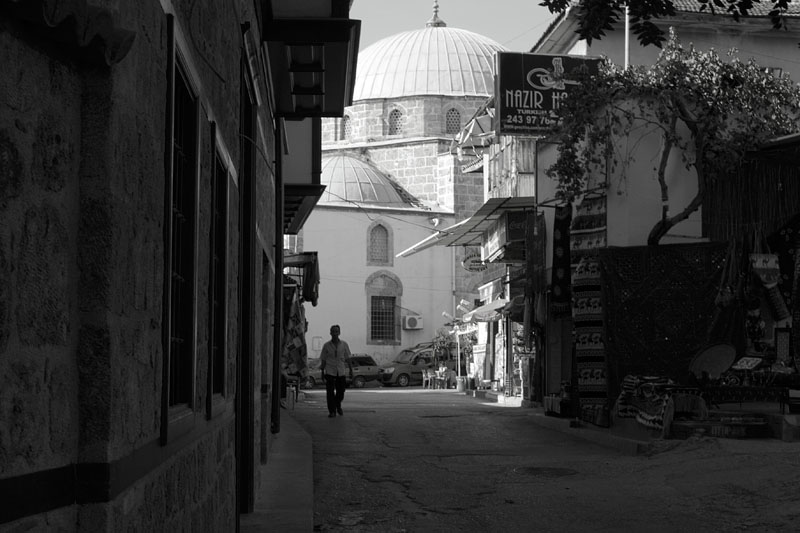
{"points": [[389, 259], [178, 417], [346, 132], [396, 126], [447, 116], [218, 279], [386, 284]]}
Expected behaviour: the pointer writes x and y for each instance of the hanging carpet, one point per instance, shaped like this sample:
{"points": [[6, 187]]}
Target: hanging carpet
{"points": [[587, 231], [659, 301], [590, 355]]}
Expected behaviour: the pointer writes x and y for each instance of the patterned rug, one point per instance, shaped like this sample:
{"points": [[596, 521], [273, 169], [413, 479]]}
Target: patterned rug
{"points": [[590, 353], [644, 398], [588, 229]]}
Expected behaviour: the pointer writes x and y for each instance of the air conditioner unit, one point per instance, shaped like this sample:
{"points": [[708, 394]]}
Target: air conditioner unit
{"points": [[412, 322]]}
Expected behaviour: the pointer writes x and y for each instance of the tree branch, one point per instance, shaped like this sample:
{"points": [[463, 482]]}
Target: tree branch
{"points": [[666, 223]]}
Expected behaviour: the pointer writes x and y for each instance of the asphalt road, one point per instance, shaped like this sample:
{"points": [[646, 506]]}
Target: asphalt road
{"points": [[435, 460]]}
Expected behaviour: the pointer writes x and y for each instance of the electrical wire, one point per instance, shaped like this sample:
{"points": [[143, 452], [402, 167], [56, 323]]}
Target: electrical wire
{"points": [[384, 215]]}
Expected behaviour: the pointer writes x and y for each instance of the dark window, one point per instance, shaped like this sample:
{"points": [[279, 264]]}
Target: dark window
{"points": [[378, 245], [182, 252], [395, 122], [384, 292], [219, 277], [347, 128], [382, 318], [452, 121]]}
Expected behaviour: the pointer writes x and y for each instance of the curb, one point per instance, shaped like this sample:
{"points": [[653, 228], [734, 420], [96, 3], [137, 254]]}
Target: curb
{"points": [[600, 436]]}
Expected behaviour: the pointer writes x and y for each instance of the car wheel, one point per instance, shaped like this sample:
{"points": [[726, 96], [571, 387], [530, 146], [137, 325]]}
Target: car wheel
{"points": [[403, 380], [308, 382], [359, 381]]}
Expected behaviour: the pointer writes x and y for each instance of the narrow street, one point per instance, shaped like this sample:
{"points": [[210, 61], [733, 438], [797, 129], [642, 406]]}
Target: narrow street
{"points": [[409, 460]]}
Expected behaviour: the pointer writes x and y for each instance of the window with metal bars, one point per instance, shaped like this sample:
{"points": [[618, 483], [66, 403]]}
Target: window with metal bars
{"points": [[382, 318], [219, 277], [378, 246], [347, 128], [452, 121], [395, 122], [182, 251]]}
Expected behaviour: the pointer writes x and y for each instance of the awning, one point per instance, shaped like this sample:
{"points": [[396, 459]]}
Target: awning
{"points": [[312, 61], [432, 240], [491, 312], [785, 149], [298, 201], [469, 232]]}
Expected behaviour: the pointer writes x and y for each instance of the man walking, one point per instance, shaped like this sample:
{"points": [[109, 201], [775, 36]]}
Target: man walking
{"points": [[335, 363]]}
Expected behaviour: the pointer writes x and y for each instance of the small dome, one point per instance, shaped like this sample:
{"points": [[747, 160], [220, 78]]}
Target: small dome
{"points": [[435, 60], [350, 179]]}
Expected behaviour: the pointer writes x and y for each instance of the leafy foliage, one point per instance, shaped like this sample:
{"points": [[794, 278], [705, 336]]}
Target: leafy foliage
{"points": [[596, 17], [728, 107]]}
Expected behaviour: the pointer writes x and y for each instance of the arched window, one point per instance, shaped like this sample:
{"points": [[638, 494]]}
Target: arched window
{"points": [[452, 121], [379, 245], [347, 128], [383, 291], [395, 122]]}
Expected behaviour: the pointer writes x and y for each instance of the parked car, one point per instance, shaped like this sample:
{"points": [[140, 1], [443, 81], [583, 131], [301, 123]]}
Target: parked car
{"points": [[363, 369], [409, 364]]}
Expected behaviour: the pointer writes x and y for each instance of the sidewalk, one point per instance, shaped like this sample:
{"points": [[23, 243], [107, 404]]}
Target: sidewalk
{"points": [[285, 502]]}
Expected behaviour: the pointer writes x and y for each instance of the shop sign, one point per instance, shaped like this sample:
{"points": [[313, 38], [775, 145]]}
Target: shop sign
{"points": [[505, 239], [530, 88], [473, 262]]}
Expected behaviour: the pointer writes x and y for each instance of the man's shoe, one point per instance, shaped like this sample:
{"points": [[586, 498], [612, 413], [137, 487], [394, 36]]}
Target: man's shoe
{"points": [[339, 410], [331, 415]]}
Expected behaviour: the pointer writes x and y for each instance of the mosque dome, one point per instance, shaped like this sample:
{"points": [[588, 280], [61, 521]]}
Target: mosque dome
{"points": [[349, 179], [435, 60]]}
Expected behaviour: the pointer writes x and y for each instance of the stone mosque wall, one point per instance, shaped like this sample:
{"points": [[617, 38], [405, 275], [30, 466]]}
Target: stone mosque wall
{"points": [[423, 116], [418, 157]]}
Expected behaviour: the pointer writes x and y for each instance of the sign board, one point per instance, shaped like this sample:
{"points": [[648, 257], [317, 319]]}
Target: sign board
{"points": [[505, 239], [472, 262], [529, 89]]}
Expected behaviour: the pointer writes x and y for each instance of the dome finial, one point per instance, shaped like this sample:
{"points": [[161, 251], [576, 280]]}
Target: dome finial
{"points": [[435, 21]]}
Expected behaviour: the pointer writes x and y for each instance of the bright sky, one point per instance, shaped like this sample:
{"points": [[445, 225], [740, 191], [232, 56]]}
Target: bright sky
{"points": [[515, 24]]}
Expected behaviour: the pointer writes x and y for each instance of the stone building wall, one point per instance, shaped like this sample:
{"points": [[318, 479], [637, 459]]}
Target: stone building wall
{"points": [[82, 192], [40, 149]]}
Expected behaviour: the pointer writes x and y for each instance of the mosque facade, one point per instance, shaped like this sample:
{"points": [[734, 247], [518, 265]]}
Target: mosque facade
{"points": [[414, 93]]}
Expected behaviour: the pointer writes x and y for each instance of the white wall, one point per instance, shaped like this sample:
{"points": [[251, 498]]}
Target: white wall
{"points": [[752, 38], [339, 235], [634, 195]]}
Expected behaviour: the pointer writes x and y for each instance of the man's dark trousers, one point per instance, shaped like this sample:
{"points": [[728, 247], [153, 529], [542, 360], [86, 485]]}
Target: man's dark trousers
{"points": [[334, 388]]}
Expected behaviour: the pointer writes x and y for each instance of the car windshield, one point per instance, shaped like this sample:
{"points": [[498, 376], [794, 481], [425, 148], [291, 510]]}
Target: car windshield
{"points": [[404, 357]]}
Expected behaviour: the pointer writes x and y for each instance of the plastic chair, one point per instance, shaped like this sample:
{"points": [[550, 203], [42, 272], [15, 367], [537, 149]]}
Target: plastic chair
{"points": [[427, 382]]}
